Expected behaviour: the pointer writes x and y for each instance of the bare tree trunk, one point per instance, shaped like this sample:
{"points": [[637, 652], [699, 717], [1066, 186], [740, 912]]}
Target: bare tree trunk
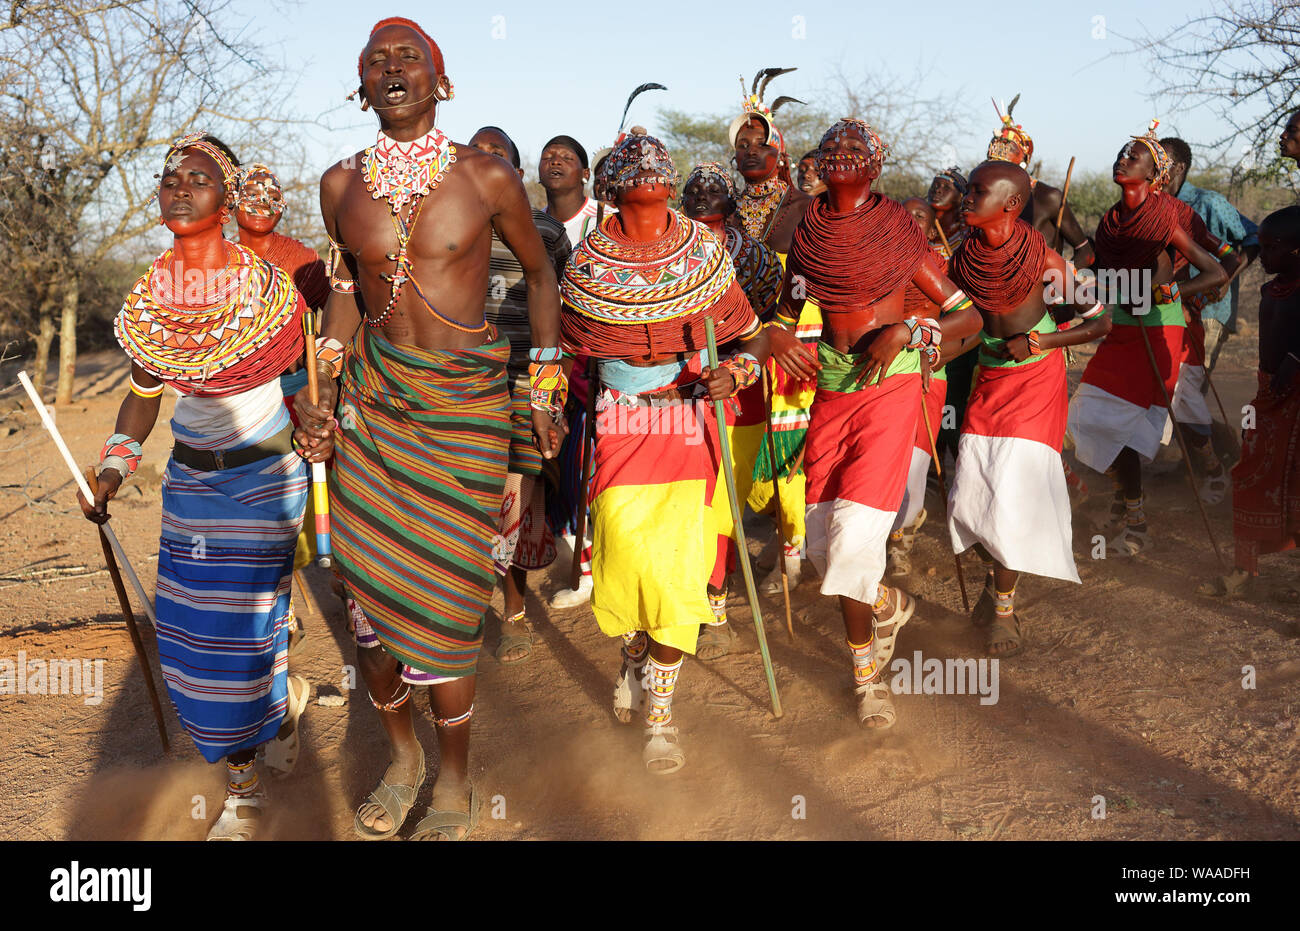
{"points": [[68, 339], [44, 337]]}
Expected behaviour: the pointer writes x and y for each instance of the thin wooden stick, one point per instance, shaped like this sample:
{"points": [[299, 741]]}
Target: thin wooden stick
{"points": [[588, 431], [725, 443], [943, 491], [769, 391], [942, 238], [125, 603], [1060, 213], [1178, 435], [80, 481]]}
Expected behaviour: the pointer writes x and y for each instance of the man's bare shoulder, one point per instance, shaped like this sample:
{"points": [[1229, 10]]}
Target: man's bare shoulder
{"points": [[1047, 195], [337, 177], [490, 173]]}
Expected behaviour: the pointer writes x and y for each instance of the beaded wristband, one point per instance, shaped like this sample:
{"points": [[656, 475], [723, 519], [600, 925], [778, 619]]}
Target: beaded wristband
{"points": [[120, 446], [1167, 293], [548, 387], [1034, 348], [545, 354], [1224, 249], [744, 370], [956, 298], [141, 391]]}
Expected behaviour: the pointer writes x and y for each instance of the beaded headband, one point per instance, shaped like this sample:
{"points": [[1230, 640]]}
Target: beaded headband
{"points": [[753, 108], [876, 150], [250, 193], [708, 171], [1158, 154], [954, 175], [195, 140], [636, 153]]}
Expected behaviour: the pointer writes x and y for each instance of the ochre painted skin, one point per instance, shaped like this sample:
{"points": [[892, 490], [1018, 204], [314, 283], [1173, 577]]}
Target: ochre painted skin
{"points": [[757, 162], [993, 203], [944, 199], [849, 174]]}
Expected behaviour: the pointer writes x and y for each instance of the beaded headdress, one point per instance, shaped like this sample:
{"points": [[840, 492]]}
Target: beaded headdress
{"points": [[1158, 154], [708, 171], [255, 187], [634, 155], [876, 150], [755, 109], [199, 140], [1010, 143]]}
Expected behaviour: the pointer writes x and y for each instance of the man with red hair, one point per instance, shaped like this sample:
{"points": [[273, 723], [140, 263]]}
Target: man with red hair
{"points": [[424, 424]]}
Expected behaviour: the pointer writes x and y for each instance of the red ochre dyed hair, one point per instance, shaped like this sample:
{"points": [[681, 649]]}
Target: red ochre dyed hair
{"points": [[410, 24]]}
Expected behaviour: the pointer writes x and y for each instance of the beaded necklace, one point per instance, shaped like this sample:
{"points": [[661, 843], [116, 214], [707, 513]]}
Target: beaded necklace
{"points": [[402, 173], [758, 205]]}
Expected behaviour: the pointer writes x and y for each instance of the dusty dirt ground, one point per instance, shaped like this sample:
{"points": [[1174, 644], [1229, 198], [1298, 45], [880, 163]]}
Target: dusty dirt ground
{"points": [[1131, 688]]}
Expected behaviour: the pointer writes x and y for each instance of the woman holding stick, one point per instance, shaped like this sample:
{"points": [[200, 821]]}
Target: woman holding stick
{"points": [[218, 325]]}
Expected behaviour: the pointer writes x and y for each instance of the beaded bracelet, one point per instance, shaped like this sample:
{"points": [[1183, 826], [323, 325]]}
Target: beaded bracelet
{"points": [[147, 393], [121, 447], [1167, 293], [548, 387], [744, 370], [545, 354], [1034, 348]]}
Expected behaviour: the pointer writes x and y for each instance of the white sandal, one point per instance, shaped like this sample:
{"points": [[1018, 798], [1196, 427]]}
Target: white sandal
{"points": [[874, 702], [231, 826], [282, 752], [629, 691], [1214, 488], [663, 748], [904, 608]]}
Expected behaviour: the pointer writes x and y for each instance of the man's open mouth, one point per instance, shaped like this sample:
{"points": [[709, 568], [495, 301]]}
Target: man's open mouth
{"points": [[394, 92]]}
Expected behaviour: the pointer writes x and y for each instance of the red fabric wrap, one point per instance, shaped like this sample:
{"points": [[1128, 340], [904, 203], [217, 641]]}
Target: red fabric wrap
{"points": [[1266, 483], [1135, 242], [999, 279], [850, 261], [1029, 402], [1121, 366]]}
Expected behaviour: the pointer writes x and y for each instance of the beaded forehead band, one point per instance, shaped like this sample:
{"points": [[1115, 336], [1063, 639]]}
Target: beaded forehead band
{"points": [[1158, 154], [634, 155], [753, 108], [195, 140], [876, 150], [256, 184], [710, 171], [954, 175]]}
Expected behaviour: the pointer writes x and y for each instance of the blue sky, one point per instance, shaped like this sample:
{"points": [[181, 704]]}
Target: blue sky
{"points": [[538, 70]]}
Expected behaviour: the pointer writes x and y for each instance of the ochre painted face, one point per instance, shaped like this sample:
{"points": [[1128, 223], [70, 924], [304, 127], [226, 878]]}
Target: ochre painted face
{"points": [[399, 75], [192, 192], [706, 199], [845, 159], [808, 180], [1134, 163], [755, 160], [920, 210], [985, 199], [261, 204]]}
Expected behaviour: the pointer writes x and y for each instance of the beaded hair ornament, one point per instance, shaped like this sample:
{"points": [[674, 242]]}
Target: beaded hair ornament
{"points": [[1010, 143], [954, 175], [196, 140], [710, 171], [259, 192], [876, 150], [1158, 154], [635, 155]]}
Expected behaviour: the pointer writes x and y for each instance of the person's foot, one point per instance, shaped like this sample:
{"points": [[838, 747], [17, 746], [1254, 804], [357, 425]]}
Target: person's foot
{"points": [[771, 584], [1115, 518], [875, 704], [516, 643], [1214, 486], [450, 795], [572, 598], [404, 770], [663, 751], [1232, 585], [715, 641], [1130, 541], [240, 817]]}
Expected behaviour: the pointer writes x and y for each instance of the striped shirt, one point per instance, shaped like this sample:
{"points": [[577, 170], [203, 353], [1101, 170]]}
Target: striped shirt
{"points": [[506, 306]]}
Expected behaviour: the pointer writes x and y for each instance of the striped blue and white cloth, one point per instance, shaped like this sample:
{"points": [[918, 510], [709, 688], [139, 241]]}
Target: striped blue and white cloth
{"points": [[225, 566]]}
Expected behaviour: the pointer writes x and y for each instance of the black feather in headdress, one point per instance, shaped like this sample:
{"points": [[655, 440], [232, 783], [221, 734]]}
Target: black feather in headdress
{"points": [[648, 86]]}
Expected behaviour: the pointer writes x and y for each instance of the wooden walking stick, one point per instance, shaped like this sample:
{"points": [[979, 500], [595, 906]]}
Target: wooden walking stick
{"points": [[769, 390], [942, 238], [1060, 213], [724, 443], [125, 603], [320, 498], [80, 481], [580, 523], [943, 491], [1178, 435]]}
